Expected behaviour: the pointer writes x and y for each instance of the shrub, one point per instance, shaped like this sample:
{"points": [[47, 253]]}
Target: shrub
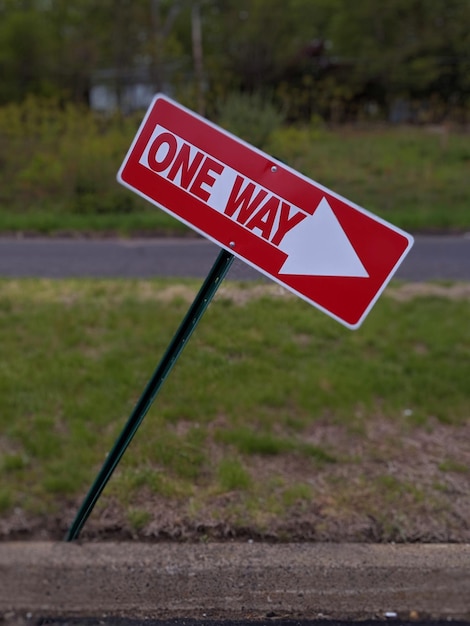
{"points": [[251, 117], [61, 157]]}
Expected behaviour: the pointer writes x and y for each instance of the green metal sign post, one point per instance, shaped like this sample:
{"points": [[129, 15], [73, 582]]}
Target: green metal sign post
{"points": [[184, 332]]}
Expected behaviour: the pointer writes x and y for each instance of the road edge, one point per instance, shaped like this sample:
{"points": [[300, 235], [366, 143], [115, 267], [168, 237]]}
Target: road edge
{"points": [[234, 580]]}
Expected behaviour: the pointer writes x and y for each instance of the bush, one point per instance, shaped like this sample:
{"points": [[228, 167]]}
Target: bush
{"points": [[251, 117], [63, 158]]}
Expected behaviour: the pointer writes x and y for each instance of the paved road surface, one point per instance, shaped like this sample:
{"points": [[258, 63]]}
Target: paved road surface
{"points": [[431, 258]]}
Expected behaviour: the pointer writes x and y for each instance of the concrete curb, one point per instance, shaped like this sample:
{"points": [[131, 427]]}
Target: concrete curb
{"points": [[234, 580]]}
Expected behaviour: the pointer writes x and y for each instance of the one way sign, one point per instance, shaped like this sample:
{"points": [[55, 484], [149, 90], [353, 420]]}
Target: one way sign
{"points": [[330, 252]]}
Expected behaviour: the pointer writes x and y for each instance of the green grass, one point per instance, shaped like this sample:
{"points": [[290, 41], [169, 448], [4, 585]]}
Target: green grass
{"points": [[55, 223], [232, 475], [452, 465], [251, 387], [247, 441], [413, 177]]}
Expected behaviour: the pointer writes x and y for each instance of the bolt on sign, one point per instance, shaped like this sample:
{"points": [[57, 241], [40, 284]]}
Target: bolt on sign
{"points": [[332, 253]]}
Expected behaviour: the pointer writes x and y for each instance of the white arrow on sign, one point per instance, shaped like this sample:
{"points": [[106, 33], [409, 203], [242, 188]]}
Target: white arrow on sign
{"points": [[318, 246]]}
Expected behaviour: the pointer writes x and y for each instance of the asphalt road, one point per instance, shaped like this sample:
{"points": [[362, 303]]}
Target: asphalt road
{"points": [[431, 258]]}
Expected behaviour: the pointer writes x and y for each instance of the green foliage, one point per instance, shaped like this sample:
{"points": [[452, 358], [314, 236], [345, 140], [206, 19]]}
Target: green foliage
{"points": [[26, 55], [181, 455], [453, 465], [337, 58], [56, 47], [138, 518], [232, 475], [342, 59], [247, 441], [251, 117], [6, 500], [13, 462], [63, 157], [297, 493], [419, 57]]}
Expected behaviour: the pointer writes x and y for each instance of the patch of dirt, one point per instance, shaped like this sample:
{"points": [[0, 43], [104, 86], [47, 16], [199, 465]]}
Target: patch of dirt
{"points": [[240, 295], [237, 293], [409, 291]]}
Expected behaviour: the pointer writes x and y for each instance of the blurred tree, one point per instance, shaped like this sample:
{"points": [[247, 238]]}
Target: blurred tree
{"points": [[335, 58], [143, 41], [60, 44], [78, 39], [405, 48], [26, 53], [251, 42]]}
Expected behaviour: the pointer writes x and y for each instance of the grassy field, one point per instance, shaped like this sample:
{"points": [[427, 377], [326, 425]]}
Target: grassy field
{"points": [[59, 168], [277, 422]]}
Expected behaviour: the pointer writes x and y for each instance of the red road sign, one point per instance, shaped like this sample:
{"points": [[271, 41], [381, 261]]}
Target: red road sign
{"points": [[330, 252]]}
